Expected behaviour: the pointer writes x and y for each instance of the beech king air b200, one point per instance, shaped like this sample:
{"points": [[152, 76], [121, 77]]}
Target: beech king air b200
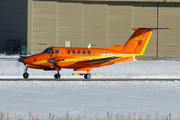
{"points": [[83, 59]]}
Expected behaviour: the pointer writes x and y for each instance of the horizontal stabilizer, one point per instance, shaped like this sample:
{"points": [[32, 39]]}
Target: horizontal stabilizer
{"points": [[151, 29]]}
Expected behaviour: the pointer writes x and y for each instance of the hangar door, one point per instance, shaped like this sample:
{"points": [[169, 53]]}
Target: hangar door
{"points": [[169, 43], [145, 15]]}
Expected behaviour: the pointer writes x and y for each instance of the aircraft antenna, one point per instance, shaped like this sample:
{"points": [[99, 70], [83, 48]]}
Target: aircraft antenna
{"points": [[89, 46]]}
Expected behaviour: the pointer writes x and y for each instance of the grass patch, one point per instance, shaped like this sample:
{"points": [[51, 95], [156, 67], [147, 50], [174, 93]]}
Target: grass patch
{"points": [[110, 116]]}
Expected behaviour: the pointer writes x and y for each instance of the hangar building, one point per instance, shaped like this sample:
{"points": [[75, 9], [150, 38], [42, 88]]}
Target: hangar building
{"points": [[39, 24]]}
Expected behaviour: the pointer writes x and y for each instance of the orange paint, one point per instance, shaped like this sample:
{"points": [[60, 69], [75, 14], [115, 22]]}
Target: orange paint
{"points": [[83, 59]]}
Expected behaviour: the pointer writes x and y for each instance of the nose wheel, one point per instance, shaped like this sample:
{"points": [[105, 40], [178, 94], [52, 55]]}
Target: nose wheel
{"points": [[26, 75]]}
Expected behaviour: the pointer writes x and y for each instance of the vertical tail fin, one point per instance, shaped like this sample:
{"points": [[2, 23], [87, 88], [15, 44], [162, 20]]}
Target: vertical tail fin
{"points": [[139, 40]]}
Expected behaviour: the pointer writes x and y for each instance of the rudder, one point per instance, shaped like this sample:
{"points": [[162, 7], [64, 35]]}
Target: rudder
{"points": [[139, 40]]}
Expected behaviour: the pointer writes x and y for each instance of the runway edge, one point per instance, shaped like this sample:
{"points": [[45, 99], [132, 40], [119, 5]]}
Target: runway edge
{"points": [[94, 79]]}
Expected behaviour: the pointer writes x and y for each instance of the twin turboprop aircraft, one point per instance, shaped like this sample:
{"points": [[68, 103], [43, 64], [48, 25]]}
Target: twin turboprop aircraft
{"points": [[83, 59]]}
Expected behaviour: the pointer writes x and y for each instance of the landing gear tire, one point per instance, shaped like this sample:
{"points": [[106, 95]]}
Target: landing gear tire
{"points": [[25, 75], [57, 76], [87, 76]]}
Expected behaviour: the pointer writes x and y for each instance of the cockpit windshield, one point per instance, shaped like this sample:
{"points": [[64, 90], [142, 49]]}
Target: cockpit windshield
{"points": [[48, 50]]}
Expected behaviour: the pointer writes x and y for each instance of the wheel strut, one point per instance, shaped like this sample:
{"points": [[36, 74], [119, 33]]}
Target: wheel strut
{"points": [[57, 76], [26, 75]]}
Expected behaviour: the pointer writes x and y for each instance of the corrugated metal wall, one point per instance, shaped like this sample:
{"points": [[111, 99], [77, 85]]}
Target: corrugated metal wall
{"points": [[52, 23], [44, 25], [69, 23], [169, 41], [145, 15]]}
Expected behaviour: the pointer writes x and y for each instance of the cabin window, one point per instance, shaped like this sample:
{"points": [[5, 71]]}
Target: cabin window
{"points": [[57, 51], [68, 52], [83, 52], [88, 52], [106, 53], [48, 50], [73, 52], [78, 52]]}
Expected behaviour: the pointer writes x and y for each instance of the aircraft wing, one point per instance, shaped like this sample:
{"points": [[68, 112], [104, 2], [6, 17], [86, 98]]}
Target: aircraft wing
{"points": [[90, 59], [87, 62], [97, 61]]}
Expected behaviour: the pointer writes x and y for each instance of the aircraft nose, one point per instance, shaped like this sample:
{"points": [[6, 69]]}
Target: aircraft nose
{"points": [[34, 58], [21, 59]]}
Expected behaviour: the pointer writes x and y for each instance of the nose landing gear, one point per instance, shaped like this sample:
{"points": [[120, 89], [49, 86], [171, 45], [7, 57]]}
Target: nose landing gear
{"points": [[26, 75]]}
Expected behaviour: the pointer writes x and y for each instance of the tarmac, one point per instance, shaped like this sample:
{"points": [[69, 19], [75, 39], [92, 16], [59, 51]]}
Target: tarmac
{"points": [[67, 79]]}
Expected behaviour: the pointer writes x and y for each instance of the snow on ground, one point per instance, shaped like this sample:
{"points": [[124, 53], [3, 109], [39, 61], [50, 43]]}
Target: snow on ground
{"points": [[9, 56], [10, 68], [92, 98]]}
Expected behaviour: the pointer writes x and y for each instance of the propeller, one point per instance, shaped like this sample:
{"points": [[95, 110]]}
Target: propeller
{"points": [[18, 64]]}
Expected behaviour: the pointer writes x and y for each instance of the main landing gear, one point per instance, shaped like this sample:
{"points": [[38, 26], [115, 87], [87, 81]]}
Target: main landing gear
{"points": [[86, 75], [57, 76], [26, 75]]}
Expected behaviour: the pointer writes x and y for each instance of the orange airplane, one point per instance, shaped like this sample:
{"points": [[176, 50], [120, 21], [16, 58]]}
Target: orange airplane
{"points": [[83, 59]]}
